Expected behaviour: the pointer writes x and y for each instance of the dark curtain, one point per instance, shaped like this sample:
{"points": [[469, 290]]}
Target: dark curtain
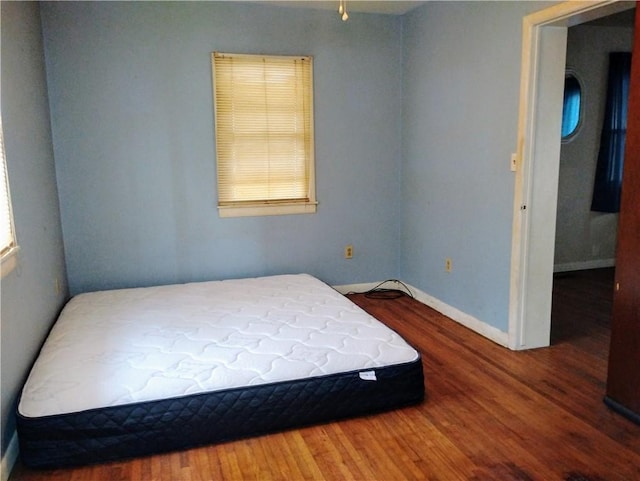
{"points": [[606, 188]]}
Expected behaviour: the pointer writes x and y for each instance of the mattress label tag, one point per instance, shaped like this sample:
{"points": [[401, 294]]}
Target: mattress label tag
{"points": [[368, 375]]}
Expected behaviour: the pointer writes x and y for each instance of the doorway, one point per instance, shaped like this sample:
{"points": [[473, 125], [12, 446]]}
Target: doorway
{"points": [[585, 243], [536, 186]]}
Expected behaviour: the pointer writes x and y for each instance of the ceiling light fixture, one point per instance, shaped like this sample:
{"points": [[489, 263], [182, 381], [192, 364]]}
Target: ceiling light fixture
{"points": [[342, 10]]}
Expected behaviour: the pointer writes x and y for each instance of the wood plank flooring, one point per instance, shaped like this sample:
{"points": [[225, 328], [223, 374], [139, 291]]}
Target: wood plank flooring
{"points": [[490, 413]]}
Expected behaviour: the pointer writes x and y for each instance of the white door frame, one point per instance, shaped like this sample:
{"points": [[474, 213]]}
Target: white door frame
{"points": [[544, 40]]}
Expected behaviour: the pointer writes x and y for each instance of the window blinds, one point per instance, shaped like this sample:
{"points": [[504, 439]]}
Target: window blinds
{"points": [[264, 131], [7, 238]]}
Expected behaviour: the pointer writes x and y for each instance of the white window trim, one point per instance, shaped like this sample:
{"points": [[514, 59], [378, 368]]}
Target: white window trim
{"points": [[268, 209], [9, 261], [8, 258]]}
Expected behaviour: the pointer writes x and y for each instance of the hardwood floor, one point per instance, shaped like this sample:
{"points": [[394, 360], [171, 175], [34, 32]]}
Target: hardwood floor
{"points": [[490, 413]]}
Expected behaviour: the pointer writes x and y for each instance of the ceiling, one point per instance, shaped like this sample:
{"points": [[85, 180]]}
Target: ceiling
{"points": [[400, 7], [622, 19], [389, 7]]}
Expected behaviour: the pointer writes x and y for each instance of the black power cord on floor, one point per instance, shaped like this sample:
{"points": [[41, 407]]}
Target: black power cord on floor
{"points": [[380, 292]]}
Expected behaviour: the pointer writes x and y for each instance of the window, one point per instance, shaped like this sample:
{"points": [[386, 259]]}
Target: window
{"points": [[8, 245], [264, 134], [571, 108]]}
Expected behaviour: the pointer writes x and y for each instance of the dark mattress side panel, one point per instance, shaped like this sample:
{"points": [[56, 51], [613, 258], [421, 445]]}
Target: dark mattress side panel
{"points": [[167, 425]]}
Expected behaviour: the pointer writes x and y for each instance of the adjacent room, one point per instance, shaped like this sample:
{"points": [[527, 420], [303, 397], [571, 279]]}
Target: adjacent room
{"points": [[116, 122]]}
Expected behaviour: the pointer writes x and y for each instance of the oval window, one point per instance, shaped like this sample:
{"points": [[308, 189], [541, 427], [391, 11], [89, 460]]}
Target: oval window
{"points": [[571, 106]]}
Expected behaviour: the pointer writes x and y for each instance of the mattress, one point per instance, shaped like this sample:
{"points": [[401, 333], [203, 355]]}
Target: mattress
{"points": [[133, 372]]}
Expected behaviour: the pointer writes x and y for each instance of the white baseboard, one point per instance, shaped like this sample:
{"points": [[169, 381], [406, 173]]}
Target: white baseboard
{"points": [[476, 325], [10, 457], [584, 265]]}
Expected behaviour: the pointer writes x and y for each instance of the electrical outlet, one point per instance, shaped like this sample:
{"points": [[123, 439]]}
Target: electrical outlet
{"points": [[348, 252], [447, 264]]}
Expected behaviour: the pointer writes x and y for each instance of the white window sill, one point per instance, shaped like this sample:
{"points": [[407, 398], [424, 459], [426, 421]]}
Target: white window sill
{"points": [[9, 261], [267, 209]]}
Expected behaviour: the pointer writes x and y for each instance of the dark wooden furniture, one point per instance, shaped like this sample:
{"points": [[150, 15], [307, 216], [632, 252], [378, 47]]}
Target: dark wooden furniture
{"points": [[623, 379]]}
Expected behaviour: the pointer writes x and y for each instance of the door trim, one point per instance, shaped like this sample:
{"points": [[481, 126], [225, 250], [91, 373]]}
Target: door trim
{"points": [[536, 180]]}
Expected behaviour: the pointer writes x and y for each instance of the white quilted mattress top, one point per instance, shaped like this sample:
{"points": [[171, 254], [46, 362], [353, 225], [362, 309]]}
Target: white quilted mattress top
{"points": [[126, 346]]}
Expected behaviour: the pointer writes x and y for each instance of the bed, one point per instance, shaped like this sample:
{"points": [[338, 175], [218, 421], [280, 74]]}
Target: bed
{"points": [[133, 372]]}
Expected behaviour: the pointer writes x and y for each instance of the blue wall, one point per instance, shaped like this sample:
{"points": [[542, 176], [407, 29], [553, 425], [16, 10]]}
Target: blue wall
{"points": [[461, 65], [132, 116], [416, 118], [34, 292]]}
